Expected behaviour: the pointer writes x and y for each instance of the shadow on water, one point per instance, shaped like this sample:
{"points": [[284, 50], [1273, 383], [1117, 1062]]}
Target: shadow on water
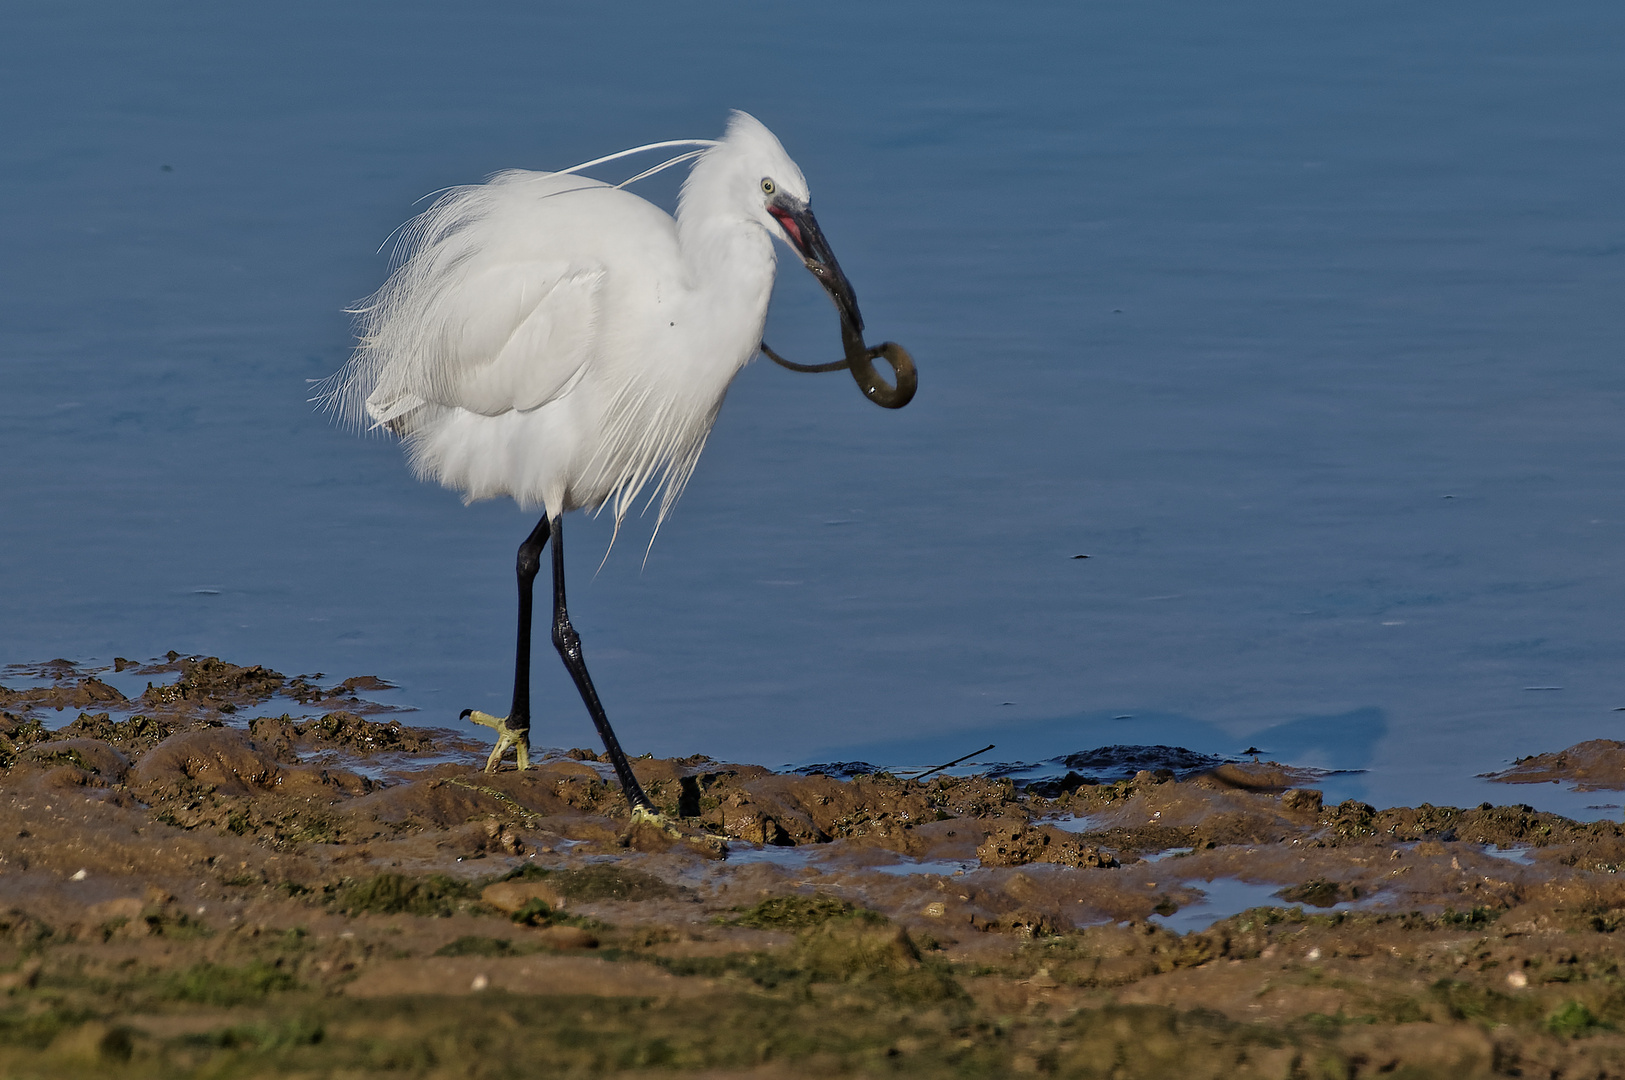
{"points": [[1109, 746]]}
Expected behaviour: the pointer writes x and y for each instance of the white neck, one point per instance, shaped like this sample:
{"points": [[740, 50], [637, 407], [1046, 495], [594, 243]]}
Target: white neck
{"points": [[730, 262]]}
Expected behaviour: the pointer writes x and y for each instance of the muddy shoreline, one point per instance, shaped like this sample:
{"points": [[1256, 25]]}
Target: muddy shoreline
{"points": [[239, 873]]}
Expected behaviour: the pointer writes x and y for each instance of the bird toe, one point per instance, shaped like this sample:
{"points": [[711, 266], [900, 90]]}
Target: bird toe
{"points": [[518, 738]]}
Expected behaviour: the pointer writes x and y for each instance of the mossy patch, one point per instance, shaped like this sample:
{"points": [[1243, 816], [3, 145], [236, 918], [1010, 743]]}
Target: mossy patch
{"points": [[217, 984], [285, 1033], [536, 912], [476, 945], [763, 969], [793, 912], [397, 894], [1573, 1020], [599, 881]]}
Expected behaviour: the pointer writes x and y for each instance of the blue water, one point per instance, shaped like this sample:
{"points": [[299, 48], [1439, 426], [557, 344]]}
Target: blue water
{"points": [[1224, 897], [1303, 322]]}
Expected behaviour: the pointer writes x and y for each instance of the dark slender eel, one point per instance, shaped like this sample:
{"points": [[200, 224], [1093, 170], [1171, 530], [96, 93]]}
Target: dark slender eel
{"points": [[860, 362], [568, 643]]}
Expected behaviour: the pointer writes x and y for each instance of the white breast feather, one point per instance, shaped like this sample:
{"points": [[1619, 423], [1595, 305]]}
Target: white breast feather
{"points": [[473, 320]]}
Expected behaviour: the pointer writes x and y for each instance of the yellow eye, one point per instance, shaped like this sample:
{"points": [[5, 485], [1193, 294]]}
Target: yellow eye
{"points": [[767, 186]]}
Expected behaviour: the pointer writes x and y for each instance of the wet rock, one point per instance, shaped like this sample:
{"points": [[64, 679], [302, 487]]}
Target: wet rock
{"points": [[1141, 840], [1017, 845], [305, 691], [1501, 825], [219, 760], [1030, 924], [91, 755], [1271, 777], [86, 693], [1351, 818], [218, 779], [511, 896], [500, 836], [346, 730], [876, 811], [339, 730], [1012, 845], [451, 796], [567, 937], [211, 682], [1052, 787], [756, 827], [843, 770], [1123, 761], [1595, 765], [1318, 892], [1301, 801], [16, 734], [134, 734], [21, 729], [1253, 824]]}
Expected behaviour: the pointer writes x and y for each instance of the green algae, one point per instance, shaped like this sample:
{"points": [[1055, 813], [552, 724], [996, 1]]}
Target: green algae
{"points": [[599, 881], [793, 912], [397, 894], [223, 985], [498, 1036], [478, 945], [1573, 1020]]}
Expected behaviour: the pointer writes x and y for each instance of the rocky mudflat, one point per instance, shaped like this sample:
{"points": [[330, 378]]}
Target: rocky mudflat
{"points": [[237, 873]]}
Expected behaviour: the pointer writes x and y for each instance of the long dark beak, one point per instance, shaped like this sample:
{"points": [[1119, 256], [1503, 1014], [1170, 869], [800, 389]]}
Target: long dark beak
{"points": [[798, 222]]}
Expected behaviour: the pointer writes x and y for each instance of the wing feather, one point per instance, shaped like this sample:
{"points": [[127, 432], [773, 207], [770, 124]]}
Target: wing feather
{"points": [[523, 365], [471, 318]]}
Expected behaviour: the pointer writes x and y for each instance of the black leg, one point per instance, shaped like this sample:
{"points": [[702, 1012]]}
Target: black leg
{"points": [[527, 565], [568, 643], [514, 729]]}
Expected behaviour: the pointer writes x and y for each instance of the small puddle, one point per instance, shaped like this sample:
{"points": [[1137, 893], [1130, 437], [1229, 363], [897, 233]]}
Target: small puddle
{"points": [[1224, 897], [1523, 856], [1169, 853], [944, 867], [1075, 823], [791, 857], [802, 855], [390, 767]]}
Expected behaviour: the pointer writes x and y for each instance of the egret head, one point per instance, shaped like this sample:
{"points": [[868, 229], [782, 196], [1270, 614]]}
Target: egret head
{"points": [[760, 177]]}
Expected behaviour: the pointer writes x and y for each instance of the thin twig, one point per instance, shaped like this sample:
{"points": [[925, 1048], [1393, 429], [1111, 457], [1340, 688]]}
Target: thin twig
{"points": [[950, 764]]}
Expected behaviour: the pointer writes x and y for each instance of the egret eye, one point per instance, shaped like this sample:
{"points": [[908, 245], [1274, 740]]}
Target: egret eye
{"points": [[768, 187]]}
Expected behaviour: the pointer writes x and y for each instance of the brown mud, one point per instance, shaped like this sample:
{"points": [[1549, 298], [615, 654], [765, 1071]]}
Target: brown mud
{"points": [[236, 873], [1597, 765]]}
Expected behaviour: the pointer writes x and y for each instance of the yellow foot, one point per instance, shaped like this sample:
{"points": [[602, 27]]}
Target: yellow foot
{"points": [[506, 737], [642, 815], [651, 830]]}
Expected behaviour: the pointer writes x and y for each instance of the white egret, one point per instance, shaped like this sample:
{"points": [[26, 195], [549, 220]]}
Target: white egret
{"points": [[565, 343]]}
